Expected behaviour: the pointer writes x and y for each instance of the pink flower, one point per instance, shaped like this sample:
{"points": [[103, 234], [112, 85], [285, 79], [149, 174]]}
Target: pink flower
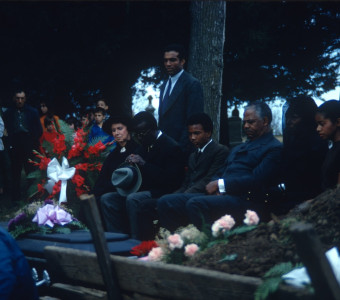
{"points": [[251, 218], [155, 254], [190, 250], [222, 225], [175, 241]]}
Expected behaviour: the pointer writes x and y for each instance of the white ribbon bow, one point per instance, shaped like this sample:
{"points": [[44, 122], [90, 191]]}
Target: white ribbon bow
{"points": [[56, 172]]}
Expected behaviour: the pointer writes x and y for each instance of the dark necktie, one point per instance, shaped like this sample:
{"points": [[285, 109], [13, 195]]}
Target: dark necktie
{"points": [[197, 155], [166, 95]]}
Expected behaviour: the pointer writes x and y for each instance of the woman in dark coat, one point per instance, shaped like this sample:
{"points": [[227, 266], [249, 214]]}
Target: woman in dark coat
{"points": [[120, 127], [303, 151]]}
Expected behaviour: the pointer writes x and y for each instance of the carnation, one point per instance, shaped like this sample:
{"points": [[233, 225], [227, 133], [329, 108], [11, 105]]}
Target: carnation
{"points": [[223, 224], [251, 218], [190, 250], [175, 241], [155, 254]]}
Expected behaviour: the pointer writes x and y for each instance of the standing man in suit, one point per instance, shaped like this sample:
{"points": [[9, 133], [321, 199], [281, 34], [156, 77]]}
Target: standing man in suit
{"points": [[181, 95], [249, 172], [203, 163], [24, 130], [161, 164]]}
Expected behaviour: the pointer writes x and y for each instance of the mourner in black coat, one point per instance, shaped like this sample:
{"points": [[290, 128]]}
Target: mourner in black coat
{"points": [[161, 163]]}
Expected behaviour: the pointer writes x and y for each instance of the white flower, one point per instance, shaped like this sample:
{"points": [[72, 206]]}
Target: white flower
{"points": [[251, 218]]}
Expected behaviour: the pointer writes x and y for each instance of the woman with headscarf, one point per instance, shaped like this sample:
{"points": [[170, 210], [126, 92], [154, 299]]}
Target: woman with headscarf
{"points": [[303, 152]]}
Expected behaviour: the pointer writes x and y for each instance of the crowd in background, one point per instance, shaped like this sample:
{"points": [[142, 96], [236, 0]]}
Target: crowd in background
{"points": [[24, 128]]}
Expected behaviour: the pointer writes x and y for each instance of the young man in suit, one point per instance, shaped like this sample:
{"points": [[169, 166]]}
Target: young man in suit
{"points": [[203, 163], [181, 95], [161, 163], [250, 170]]}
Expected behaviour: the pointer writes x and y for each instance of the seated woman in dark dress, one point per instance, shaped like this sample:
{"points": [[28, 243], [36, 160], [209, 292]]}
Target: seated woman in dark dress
{"points": [[120, 127], [303, 152], [328, 127]]}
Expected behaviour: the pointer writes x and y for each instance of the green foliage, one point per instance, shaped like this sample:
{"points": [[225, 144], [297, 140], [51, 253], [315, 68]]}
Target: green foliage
{"points": [[289, 52], [272, 280], [216, 242], [37, 174], [230, 257], [239, 230], [67, 132]]}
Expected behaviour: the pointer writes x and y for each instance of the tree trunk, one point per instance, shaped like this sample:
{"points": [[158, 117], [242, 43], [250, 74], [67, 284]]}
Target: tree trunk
{"points": [[206, 54]]}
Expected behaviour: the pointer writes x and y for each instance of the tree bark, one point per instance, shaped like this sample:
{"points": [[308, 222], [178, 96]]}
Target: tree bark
{"points": [[206, 54]]}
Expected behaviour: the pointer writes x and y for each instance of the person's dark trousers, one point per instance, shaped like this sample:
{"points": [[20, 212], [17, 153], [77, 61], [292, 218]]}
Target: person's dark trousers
{"points": [[204, 210], [5, 171], [171, 210], [133, 213], [113, 210], [141, 210], [20, 153]]}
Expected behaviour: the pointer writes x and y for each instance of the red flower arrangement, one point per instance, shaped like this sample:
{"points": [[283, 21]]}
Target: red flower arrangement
{"points": [[143, 248], [72, 151]]}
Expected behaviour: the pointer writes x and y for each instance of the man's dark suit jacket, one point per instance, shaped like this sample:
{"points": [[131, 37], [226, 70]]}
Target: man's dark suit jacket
{"points": [[185, 99], [163, 170], [200, 171], [253, 166], [31, 116]]}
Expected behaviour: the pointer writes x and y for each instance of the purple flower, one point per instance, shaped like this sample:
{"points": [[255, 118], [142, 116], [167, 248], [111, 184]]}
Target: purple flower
{"points": [[15, 221], [48, 201]]}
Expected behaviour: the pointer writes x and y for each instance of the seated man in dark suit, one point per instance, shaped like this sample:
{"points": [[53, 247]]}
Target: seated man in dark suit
{"points": [[202, 165], [161, 163], [249, 171]]}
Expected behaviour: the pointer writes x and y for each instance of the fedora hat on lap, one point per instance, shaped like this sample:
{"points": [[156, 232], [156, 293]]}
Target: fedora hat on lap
{"points": [[127, 179]]}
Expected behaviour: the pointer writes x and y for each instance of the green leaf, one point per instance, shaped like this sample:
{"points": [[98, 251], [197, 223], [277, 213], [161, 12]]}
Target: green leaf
{"points": [[61, 229], [67, 132], [215, 242], [240, 230], [272, 280], [230, 257], [267, 287], [37, 174]]}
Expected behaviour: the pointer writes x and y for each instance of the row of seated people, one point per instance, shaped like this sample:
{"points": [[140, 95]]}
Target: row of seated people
{"points": [[143, 181]]}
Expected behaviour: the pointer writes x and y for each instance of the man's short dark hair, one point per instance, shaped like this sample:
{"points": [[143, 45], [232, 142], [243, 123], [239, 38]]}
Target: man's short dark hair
{"points": [[100, 110], [203, 119], [330, 110], [262, 109], [178, 48], [146, 117]]}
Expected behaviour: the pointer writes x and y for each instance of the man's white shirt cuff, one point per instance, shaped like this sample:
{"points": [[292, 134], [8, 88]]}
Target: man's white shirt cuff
{"points": [[221, 186]]}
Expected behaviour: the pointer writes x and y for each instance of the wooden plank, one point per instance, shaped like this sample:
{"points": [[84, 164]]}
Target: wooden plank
{"points": [[66, 291], [72, 265], [312, 255], [177, 282], [92, 215], [147, 280]]}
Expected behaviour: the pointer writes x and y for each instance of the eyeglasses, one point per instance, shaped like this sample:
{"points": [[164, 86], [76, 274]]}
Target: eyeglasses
{"points": [[141, 134]]}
